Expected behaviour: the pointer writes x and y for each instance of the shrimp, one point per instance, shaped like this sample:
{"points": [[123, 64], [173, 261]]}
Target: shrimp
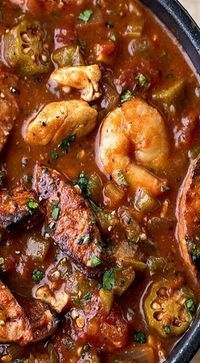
{"points": [[139, 128], [58, 120]]}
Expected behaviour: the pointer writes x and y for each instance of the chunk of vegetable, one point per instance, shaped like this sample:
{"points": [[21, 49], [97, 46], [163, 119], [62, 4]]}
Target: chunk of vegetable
{"points": [[94, 187], [105, 218], [138, 354], [126, 255], [118, 280], [26, 48], [170, 95], [167, 307], [135, 29], [112, 194], [68, 56], [124, 278], [107, 298], [156, 264], [143, 201], [130, 224]]}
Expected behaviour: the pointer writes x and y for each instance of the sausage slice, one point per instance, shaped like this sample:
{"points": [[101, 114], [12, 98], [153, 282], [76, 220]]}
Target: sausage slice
{"points": [[18, 208], [69, 220], [43, 323], [14, 324], [188, 217]]}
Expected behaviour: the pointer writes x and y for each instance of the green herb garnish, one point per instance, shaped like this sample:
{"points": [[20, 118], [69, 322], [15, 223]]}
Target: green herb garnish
{"points": [[140, 337], [87, 297], [55, 210], [65, 144], [126, 96], [82, 44], [95, 261], [85, 15], [142, 80], [83, 183], [113, 37], [85, 348], [54, 155], [84, 240], [32, 204], [164, 188], [109, 279], [167, 329], [120, 178], [37, 275], [190, 305]]}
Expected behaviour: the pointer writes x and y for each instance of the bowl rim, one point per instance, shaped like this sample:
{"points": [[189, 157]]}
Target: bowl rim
{"points": [[186, 31]]}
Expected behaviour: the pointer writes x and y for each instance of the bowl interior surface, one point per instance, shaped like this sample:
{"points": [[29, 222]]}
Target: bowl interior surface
{"points": [[186, 31]]}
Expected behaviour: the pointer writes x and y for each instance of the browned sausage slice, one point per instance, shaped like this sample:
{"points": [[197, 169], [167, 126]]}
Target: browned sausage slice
{"points": [[14, 324], [43, 323], [69, 220], [18, 208], [8, 105], [188, 217]]}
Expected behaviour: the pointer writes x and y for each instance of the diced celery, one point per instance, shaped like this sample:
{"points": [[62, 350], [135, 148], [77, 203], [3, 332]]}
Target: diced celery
{"points": [[143, 201], [171, 94], [68, 56]]}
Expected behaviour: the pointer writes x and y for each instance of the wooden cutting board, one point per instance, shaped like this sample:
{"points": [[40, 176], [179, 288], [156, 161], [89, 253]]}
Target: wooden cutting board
{"points": [[193, 7]]}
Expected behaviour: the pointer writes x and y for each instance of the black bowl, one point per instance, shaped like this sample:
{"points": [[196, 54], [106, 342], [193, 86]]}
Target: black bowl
{"points": [[186, 31]]}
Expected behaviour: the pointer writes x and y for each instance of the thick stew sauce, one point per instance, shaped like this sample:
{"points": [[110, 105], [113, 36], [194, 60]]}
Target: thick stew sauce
{"points": [[99, 184]]}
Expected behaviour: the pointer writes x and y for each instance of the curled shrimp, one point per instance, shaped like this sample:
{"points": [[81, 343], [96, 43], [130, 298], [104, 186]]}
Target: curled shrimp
{"points": [[132, 140]]}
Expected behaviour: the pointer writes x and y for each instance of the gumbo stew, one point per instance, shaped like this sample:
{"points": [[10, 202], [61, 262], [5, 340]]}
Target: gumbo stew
{"points": [[99, 184]]}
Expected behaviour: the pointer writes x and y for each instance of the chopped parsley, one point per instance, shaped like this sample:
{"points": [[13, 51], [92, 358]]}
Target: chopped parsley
{"points": [[120, 178], [190, 305], [92, 219], [126, 96], [32, 204], [85, 15], [54, 155], [113, 37], [82, 44], [95, 261], [164, 188], [167, 329], [142, 80], [87, 297], [140, 337], [83, 183], [55, 210], [109, 279], [37, 275], [65, 144], [85, 348], [84, 240]]}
